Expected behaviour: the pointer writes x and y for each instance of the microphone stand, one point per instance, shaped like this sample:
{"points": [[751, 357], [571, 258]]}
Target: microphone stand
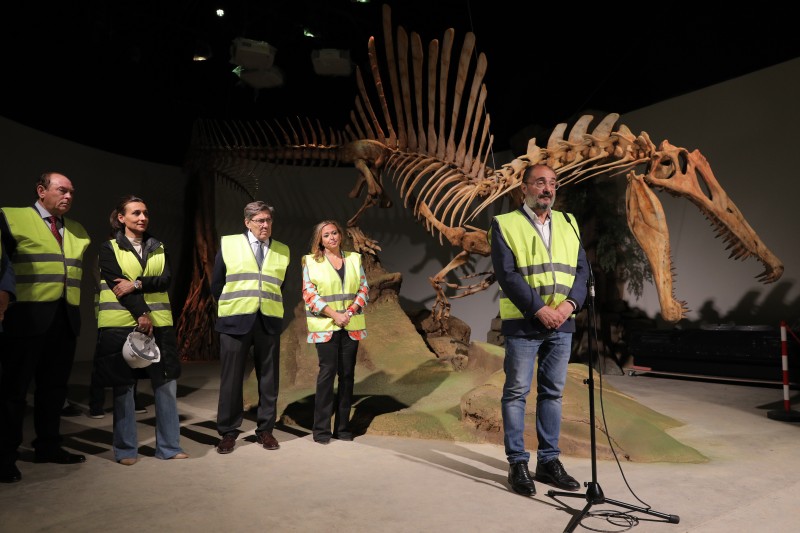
{"points": [[594, 493]]}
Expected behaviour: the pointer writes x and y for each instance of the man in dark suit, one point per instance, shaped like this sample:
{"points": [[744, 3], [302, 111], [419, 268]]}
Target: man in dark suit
{"points": [[41, 328], [247, 283]]}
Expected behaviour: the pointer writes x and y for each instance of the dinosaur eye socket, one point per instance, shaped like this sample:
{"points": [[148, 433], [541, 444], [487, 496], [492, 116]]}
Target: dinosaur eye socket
{"points": [[671, 164]]}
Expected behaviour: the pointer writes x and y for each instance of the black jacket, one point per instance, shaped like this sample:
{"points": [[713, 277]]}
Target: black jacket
{"points": [[110, 368]]}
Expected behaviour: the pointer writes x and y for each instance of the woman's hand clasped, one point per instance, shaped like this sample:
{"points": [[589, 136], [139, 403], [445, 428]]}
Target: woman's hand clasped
{"points": [[123, 287], [341, 319]]}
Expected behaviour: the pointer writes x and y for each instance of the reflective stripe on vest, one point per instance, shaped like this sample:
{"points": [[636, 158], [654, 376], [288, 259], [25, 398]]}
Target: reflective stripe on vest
{"points": [[248, 290], [112, 314], [42, 269], [338, 295], [550, 273]]}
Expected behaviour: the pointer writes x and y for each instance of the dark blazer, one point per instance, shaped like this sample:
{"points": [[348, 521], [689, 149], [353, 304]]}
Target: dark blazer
{"points": [[27, 319], [239, 324]]}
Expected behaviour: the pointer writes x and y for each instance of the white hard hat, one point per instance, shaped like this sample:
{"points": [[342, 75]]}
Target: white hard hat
{"points": [[140, 350]]}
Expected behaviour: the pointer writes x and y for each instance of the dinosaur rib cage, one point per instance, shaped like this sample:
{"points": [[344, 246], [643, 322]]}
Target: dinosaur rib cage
{"points": [[447, 193]]}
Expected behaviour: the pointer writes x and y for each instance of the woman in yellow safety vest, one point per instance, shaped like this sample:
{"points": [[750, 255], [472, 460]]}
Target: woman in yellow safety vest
{"points": [[134, 279], [335, 293]]}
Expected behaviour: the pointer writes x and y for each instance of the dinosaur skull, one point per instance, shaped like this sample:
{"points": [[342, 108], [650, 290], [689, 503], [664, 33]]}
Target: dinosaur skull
{"points": [[688, 175]]}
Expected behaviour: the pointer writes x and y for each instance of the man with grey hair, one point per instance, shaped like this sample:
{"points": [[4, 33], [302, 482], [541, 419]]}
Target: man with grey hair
{"points": [[247, 284]]}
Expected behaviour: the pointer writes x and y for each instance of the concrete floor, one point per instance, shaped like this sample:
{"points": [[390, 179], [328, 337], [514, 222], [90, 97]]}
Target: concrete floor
{"points": [[393, 484]]}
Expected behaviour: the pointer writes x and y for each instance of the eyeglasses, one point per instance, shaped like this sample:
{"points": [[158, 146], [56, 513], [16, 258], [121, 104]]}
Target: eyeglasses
{"points": [[261, 221], [541, 184]]}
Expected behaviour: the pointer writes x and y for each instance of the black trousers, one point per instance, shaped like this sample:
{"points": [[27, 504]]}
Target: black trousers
{"points": [[233, 353], [337, 357], [45, 359]]}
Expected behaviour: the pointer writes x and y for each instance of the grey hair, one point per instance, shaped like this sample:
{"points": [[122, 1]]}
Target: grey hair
{"points": [[254, 208]]}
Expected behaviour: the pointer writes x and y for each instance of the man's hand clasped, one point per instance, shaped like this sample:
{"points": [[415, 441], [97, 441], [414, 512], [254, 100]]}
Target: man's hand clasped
{"points": [[552, 318]]}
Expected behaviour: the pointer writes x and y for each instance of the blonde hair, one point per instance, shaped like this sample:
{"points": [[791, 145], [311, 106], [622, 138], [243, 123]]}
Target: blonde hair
{"points": [[316, 239]]}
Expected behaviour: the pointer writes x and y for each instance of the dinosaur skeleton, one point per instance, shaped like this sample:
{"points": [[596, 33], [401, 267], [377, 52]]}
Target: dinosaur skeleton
{"points": [[430, 134]]}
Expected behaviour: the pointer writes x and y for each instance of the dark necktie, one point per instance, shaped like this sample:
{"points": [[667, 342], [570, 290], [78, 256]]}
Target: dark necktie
{"points": [[54, 229], [260, 255]]}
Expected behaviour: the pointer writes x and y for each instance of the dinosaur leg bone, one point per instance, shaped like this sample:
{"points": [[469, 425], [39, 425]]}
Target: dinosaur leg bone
{"points": [[441, 307]]}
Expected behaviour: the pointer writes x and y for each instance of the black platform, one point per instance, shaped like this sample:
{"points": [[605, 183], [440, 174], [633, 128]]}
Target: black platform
{"points": [[744, 353]]}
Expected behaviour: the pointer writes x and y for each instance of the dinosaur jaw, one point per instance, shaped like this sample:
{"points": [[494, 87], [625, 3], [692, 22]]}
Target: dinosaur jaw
{"points": [[648, 223], [688, 175]]}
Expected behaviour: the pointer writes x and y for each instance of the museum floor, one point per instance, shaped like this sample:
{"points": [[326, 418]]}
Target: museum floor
{"points": [[390, 484]]}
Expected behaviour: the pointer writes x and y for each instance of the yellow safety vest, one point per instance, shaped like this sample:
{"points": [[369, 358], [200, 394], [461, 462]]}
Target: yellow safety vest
{"points": [[338, 295], [42, 269], [248, 290], [551, 273], [112, 314]]}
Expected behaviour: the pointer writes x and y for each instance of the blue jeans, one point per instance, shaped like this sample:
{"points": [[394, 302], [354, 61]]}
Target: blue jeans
{"points": [[554, 351], [168, 426]]}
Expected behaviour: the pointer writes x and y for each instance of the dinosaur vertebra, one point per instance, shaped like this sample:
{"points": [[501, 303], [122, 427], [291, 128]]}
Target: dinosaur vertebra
{"points": [[434, 143]]}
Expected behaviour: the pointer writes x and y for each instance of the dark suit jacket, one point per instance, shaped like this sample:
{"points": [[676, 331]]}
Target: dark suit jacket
{"points": [[25, 319], [238, 324]]}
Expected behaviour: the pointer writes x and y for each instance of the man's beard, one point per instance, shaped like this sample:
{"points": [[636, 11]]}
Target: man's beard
{"points": [[533, 202]]}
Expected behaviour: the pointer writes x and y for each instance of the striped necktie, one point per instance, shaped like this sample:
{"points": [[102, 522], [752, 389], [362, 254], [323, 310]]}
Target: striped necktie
{"points": [[54, 229]]}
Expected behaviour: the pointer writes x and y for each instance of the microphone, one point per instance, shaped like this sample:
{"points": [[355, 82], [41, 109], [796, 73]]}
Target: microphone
{"points": [[590, 281]]}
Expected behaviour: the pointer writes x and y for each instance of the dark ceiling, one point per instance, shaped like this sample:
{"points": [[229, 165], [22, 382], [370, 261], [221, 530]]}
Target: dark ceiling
{"points": [[118, 75]]}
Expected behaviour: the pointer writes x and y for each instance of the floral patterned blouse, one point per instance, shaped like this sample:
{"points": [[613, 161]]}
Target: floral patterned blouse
{"points": [[315, 304]]}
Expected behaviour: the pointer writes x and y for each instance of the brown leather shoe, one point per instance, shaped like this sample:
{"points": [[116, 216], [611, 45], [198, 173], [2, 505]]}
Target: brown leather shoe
{"points": [[227, 443], [266, 440]]}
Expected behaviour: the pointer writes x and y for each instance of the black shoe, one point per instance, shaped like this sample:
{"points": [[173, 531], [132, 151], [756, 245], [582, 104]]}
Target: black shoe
{"points": [[96, 412], [139, 409], [520, 479], [9, 473], [344, 436], [323, 441], [553, 473], [58, 456], [71, 410]]}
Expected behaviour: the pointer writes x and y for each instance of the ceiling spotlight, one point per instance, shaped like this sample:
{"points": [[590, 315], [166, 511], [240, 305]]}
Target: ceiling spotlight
{"points": [[220, 12], [308, 33], [202, 51]]}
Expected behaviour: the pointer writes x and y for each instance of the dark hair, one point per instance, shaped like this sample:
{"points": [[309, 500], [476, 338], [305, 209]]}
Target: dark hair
{"points": [[529, 171], [116, 225], [254, 208], [316, 238], [44, 179]]}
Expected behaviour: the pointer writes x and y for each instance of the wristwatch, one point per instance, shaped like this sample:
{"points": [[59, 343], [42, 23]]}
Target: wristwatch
{"points": [[137, 284], [349, 313]]}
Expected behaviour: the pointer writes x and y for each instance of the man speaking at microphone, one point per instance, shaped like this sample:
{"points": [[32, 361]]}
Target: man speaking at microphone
{"points": [[542, 271]]}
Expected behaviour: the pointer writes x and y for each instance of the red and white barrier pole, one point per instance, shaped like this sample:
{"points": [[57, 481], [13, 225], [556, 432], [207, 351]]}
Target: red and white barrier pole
{"points": [[786, 413]]}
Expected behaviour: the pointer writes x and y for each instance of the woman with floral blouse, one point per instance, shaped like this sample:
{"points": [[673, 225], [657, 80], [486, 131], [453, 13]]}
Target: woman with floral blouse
{"points": [[335, 293]]}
